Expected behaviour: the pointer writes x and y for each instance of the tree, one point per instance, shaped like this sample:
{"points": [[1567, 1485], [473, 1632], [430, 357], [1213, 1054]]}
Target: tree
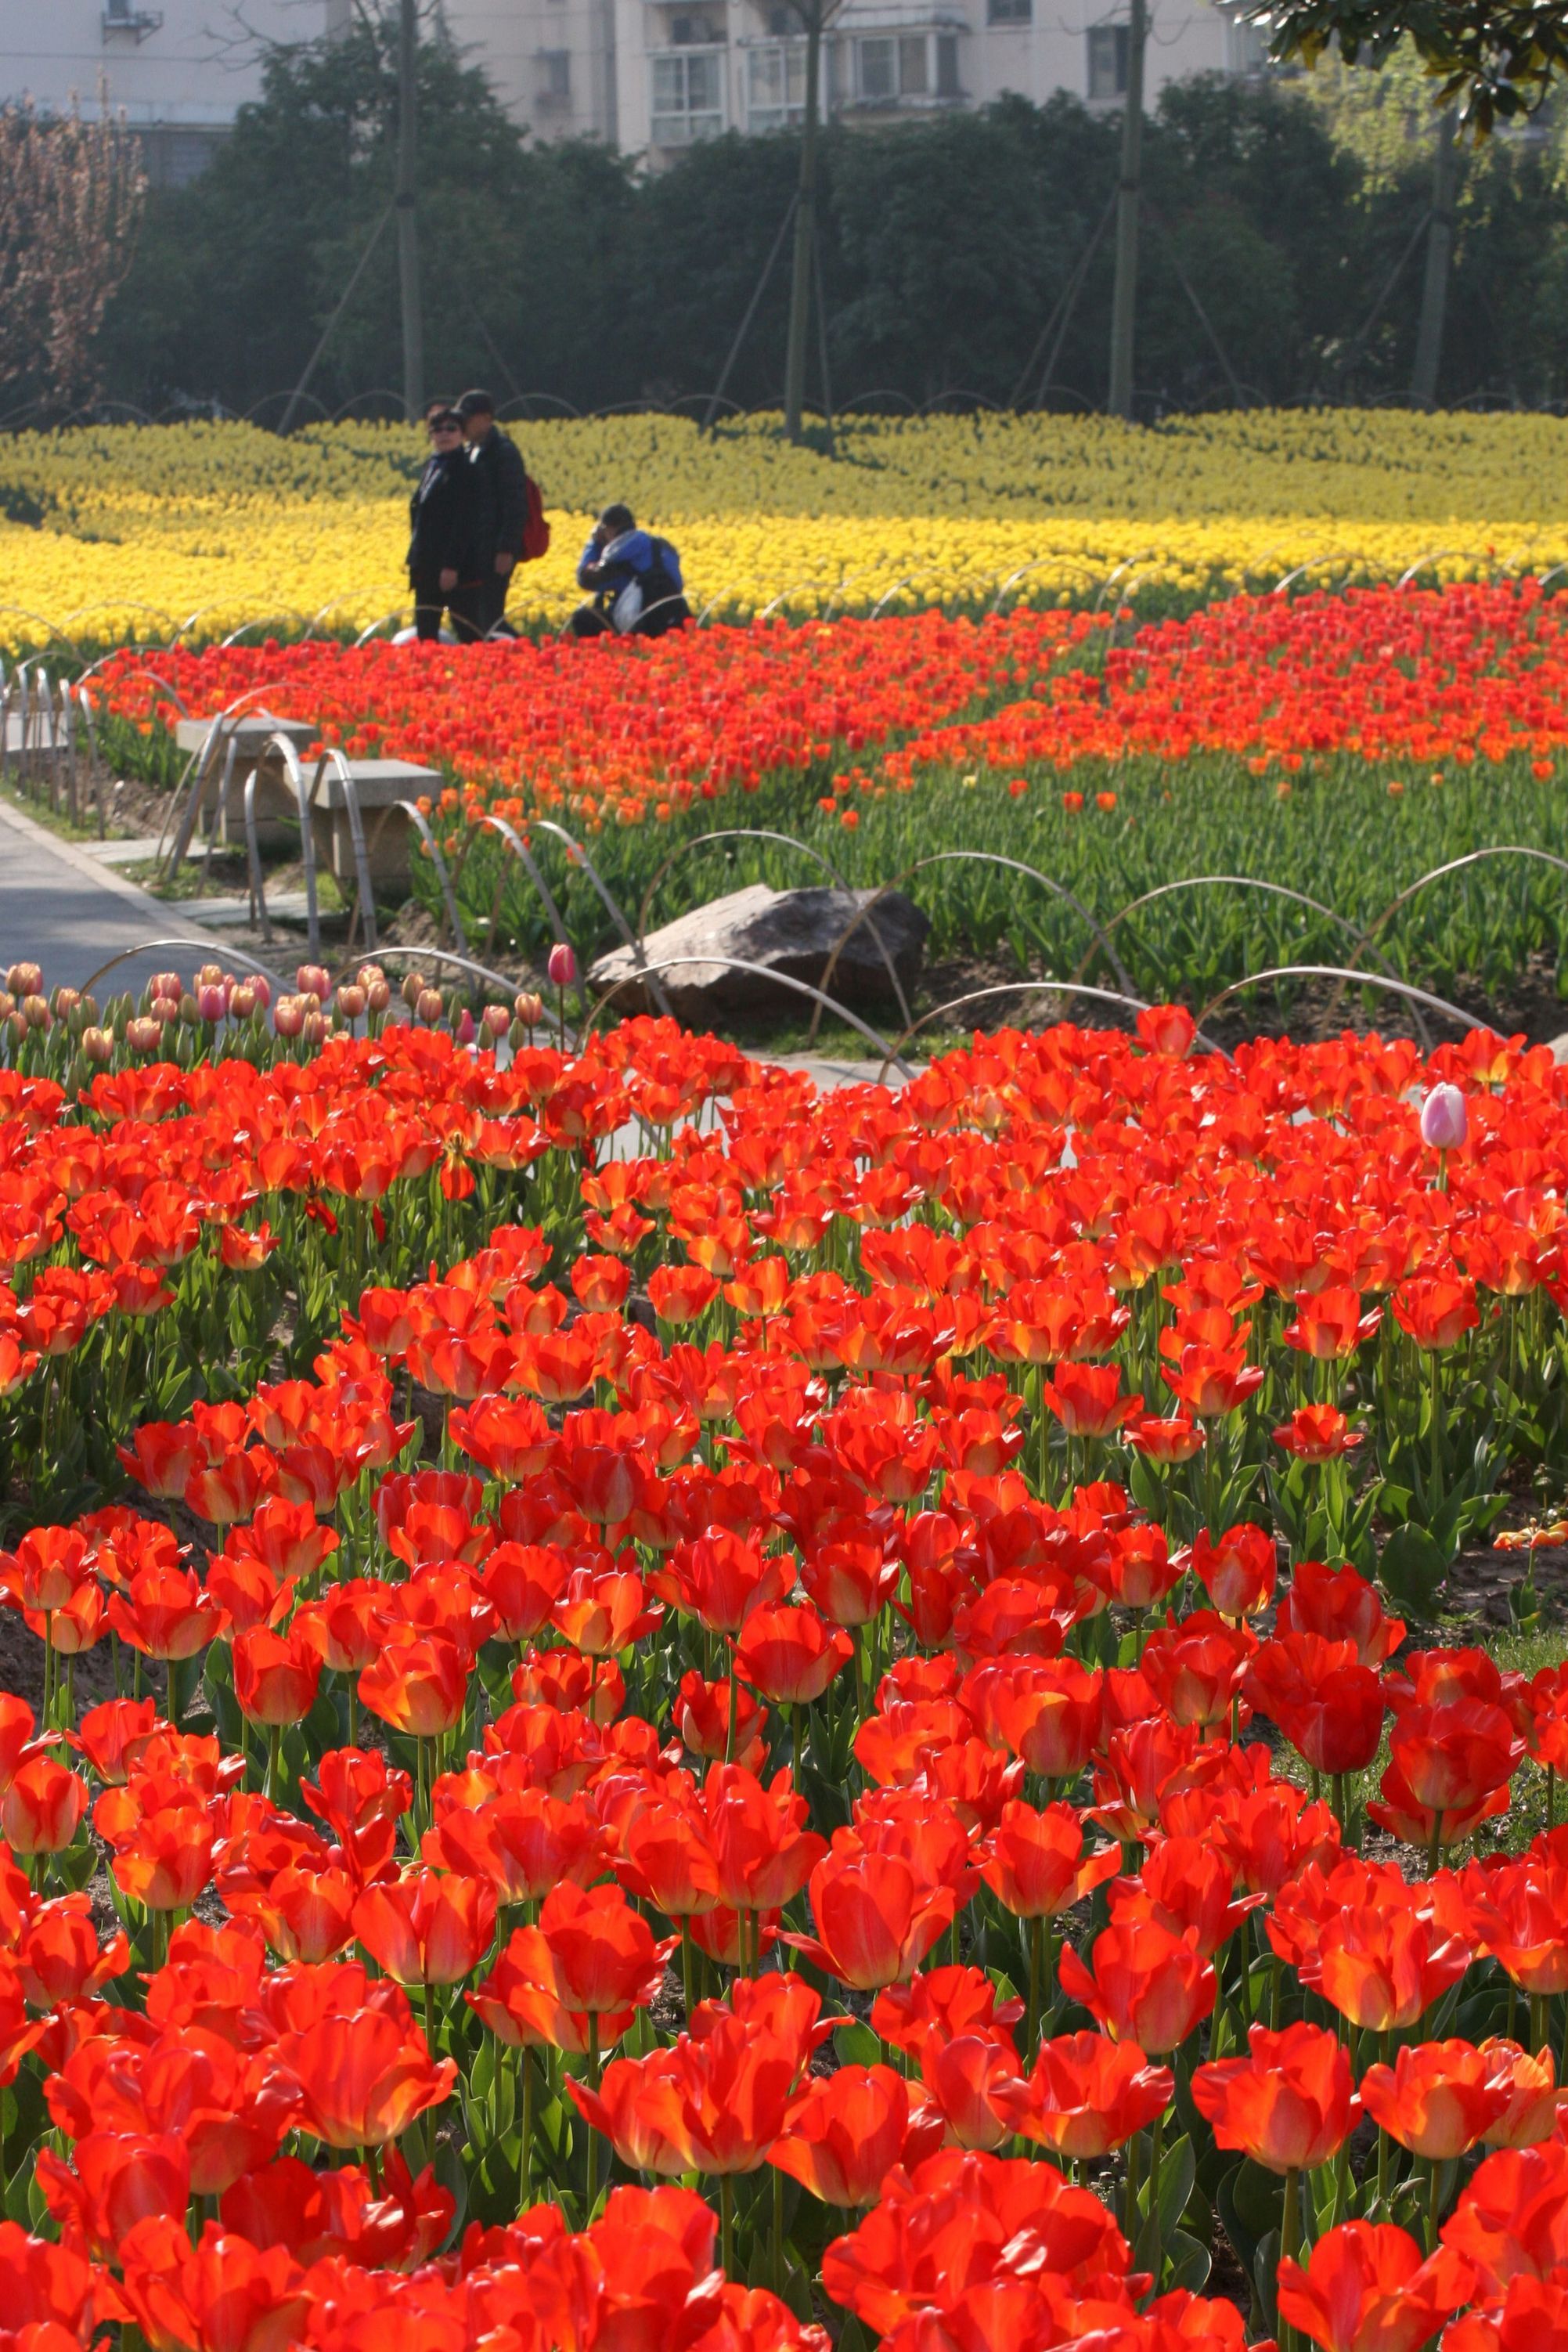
{"points": [[1497, 60], [70, 198]]}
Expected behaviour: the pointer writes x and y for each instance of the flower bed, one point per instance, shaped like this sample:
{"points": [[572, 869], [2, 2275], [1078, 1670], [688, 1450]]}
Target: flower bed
{"points": [[693, 1711]]}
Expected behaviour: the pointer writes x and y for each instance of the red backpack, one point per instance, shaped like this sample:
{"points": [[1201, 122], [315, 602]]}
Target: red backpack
{"points": [[536, 530]]}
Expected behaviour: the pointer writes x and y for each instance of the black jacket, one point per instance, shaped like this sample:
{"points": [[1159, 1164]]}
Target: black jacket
{"points": [[441, 516], [500, 496]]}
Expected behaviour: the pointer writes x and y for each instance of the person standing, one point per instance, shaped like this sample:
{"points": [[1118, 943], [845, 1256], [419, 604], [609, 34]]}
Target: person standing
{"points": [[441, 527], [500, 486]]}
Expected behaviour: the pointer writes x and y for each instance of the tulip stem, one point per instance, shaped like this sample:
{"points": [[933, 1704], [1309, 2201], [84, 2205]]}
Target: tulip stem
{"points": [[727, 2224], [1290, 2234], [274, 1747], [525, 2145], [593, 2137], [776, 2269], [1031, 2020], [1433, 2172]]}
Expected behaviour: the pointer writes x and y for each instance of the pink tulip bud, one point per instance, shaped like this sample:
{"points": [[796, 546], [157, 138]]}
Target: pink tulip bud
{"points": [[351, 1000], [243, 1002], [317, 1028], [143, 1034], [530, 1009], [496, 1020], [166, 984], [25, 979], [467, 1031], [261, 989], [1445, 1122], [562, 965], [314, 979], [212, 1001], [289, 1016]]}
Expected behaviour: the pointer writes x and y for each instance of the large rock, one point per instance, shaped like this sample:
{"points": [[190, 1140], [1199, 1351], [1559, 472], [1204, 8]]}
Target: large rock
{"points": [[792, 932]]}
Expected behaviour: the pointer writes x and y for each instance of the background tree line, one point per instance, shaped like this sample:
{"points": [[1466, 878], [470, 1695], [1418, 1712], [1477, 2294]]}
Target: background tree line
{"points": [[1276, 215]]}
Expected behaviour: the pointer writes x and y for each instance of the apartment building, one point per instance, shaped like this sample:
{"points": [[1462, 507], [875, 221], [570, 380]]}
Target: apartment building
{"points": [[653, 76], [178, 70]]}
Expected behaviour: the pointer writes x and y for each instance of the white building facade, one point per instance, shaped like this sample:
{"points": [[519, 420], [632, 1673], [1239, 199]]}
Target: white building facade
{"points": [[178, 70], [654, 75], [648, 76]]}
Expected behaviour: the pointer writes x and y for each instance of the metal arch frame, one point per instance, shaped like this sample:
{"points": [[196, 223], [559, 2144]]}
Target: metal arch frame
{"points": [[396, 614], [1350, 979], [375, 392], [1300, 570], [766, 972], [248, 415], [223, 724], [125, 605], [1045, 987], [1040, 563], [1361, 940], [56, 635], [1437, 874], [520, 399], [611, 907], [978, 857], [259, 620], [464, 962], [333, 758], [196, 947], [418, 818], [520, 850]]}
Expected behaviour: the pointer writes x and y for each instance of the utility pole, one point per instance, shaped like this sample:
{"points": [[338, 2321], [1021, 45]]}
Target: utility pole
{"points": [[407, 217], [1439, 255], [1124, 300], [815, 14]]}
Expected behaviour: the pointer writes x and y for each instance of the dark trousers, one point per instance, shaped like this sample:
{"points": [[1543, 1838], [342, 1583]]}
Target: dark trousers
{"points": [[587, 620], [488, 608], [430, 602]]}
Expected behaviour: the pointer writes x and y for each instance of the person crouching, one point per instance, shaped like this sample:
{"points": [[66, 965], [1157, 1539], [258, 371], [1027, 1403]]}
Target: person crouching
{"points": [[634, 578]]}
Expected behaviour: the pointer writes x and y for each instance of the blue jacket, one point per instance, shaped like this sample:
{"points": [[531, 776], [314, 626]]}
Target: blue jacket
{"points": [[630, 557]]}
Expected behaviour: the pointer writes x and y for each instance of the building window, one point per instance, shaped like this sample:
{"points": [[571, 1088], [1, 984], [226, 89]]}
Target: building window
{"points": [[912, 77], [775, 86], [878, 62], [1108, 47], [1010, 11], [555, 75], [688, 97], [947, 65]]}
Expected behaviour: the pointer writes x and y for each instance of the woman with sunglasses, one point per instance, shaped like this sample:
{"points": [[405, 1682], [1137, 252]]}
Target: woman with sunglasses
{"points": [[440, 520]]}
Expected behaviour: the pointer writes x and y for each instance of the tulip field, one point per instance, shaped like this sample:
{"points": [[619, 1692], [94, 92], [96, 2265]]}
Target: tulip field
{"points": [[1332, 748], [113, 533], [650, 1709]]}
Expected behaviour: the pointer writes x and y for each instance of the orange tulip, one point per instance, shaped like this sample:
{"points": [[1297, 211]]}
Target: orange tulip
{"points": [[846, 2133], [1287, 2104], [1086, 2095], [875, 1920], [362, 2077], [426, 1928], [1437, 2099], [1365, 2288], [1144, 1985]]}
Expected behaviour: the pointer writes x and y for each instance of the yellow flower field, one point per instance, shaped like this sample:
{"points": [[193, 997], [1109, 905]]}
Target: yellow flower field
{"points": [[140, 531]]}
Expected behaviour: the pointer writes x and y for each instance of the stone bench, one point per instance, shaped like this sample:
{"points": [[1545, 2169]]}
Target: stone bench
{"points": [[379, 786]]}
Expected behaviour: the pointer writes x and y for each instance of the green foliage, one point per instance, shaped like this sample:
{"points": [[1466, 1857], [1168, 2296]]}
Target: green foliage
{"points": [[1277, 211]]}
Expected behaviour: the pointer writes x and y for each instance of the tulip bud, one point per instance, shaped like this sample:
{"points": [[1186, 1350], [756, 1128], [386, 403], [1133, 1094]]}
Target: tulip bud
{"points": [[378, 995], [519, 1035], [261, 989], [314, 979], [98, 1044], [351, 1000], [165, 984], [241, 1004], [1445, 1121], [143, 1034], [36, 1011], [88, 1007], [369, 974], [562, 965], [190, 1011], [317, 1028], [291, 1016], [165, 1010], [467, 1031], [210, 975], [7, 1004], [428, 1006], [530, 1009], [414, 987], [25, 979], [496, 1021], [64, 1002], [212, 1001], [16, 1025]]}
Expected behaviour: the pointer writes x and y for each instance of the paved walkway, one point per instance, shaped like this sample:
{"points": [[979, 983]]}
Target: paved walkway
{"points": [[64, 908]]}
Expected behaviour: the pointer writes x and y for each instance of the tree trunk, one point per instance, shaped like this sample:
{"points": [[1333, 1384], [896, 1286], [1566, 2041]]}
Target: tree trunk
{"points": [[1439, 255], [1124, 301], [805, 233], [407, 217]]}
